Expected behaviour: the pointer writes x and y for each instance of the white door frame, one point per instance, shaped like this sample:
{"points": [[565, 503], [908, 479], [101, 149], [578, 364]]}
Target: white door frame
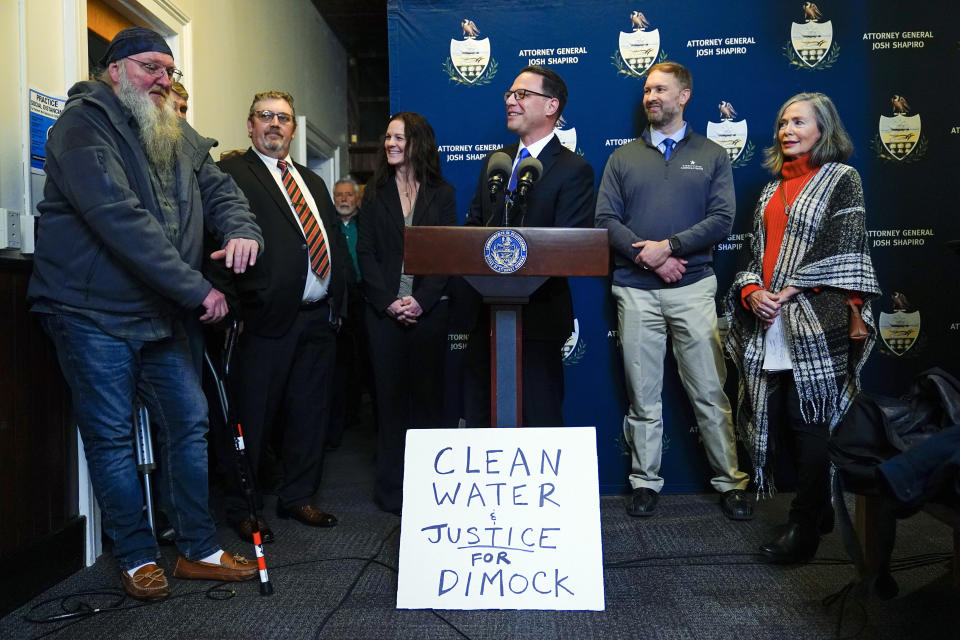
{"points": [[312, 143]]}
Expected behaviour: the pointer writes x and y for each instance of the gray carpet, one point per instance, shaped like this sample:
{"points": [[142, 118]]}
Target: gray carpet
{"points": [[687, 572]]}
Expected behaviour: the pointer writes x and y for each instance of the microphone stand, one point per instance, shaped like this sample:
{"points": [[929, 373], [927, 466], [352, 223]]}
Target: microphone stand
{"points": [[498, 204]]}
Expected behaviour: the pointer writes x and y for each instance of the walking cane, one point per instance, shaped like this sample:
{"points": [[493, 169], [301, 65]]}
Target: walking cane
{"points": [[241, 460]]}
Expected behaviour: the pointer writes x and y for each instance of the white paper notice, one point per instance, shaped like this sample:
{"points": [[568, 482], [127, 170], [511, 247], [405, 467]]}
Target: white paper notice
{"points": [[776, 351], [501, 519]]}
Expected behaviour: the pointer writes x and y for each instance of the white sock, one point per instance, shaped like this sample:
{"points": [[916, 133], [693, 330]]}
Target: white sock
{"points": [[130, 572], [213, 558]]}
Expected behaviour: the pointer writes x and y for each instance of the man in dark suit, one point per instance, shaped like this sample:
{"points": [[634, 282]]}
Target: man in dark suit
{"points": [[562, 197], [290, 306]]}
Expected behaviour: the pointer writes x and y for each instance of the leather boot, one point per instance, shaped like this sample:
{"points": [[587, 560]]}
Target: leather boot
{"points": [[825, 524], [793, 543]]}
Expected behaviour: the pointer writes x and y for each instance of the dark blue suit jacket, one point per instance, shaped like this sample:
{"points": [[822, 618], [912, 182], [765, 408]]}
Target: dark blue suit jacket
{"points": [[562, 197]]}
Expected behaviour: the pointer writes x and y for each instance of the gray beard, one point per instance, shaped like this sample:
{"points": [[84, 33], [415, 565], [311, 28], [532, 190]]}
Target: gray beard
{"points": [[159, 125], [273, 145]]}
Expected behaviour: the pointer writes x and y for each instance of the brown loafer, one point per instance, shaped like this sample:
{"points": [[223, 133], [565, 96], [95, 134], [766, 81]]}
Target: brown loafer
{"points": [[147, 583], [308, 514], [244, 529], [232, 568]]}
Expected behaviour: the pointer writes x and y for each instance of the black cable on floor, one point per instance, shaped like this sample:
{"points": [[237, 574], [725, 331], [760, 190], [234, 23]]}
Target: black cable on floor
{"points": [[371, 560], [451, 625], [80, 610], [75, 610], [844, 596], [647, 561]]}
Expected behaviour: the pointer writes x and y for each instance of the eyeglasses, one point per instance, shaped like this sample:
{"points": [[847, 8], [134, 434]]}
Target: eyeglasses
{"points": [[157, 70], [265, 116], [523, 93]]}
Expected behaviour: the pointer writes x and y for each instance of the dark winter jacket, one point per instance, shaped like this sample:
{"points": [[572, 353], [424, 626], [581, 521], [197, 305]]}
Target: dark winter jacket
{"points": [[102, 242]]}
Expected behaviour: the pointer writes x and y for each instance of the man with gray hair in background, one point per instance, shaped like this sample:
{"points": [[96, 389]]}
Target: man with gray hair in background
{"points": [[129, 189], [346, 198], [352, 371]]}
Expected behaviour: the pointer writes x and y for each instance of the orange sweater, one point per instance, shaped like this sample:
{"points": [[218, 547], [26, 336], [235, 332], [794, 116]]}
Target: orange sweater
{"points": [[796, 174]]}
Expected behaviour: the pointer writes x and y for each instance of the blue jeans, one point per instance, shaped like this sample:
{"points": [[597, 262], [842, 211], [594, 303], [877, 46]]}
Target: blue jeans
{"points": [[105, 374]]}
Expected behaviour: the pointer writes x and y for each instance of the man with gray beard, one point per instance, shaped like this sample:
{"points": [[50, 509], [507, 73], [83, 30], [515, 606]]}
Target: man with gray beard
{"points": [[129, 189]]}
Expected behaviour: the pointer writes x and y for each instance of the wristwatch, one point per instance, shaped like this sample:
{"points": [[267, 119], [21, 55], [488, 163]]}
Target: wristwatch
{"points": [[674, 244]]}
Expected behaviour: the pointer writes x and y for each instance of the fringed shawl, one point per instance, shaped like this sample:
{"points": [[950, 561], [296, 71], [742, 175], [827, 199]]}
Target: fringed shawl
{"points": [[825, 247]]}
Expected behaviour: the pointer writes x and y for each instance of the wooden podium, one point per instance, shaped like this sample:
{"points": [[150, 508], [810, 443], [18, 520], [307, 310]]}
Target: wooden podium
{"points": [[462, 251]]}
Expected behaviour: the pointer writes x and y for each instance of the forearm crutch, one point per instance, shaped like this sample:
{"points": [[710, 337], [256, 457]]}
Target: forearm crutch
{"points": [[242, 463], [146, 463]]}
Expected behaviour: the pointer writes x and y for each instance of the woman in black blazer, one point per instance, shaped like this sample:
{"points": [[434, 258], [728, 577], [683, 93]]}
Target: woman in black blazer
{"points": [[406, 316]]}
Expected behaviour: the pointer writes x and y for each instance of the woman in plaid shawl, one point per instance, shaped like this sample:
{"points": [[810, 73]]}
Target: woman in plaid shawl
{"points": [[789, 315]]}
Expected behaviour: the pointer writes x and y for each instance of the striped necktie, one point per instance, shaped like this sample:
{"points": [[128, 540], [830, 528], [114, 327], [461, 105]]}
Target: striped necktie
{"points": [[316, 244]]}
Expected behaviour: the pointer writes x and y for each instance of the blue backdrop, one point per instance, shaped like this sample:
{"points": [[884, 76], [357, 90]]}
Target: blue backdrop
{"points": [[891, 67]]}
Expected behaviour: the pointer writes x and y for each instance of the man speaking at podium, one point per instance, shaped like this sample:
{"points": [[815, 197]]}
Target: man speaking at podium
{"points": [[561, 195]]}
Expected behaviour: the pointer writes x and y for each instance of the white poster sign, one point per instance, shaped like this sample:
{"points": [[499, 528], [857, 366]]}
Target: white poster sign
{"points": [[501, 519]]}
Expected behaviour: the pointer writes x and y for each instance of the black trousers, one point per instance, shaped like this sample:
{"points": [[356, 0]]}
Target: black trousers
{"points": [[542, 382], [408, 373], [807, 445], [353, 373], [285, 382]]}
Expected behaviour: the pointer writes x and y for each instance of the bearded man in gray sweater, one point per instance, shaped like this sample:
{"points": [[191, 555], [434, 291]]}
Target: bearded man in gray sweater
{"points": [[666, 198]]}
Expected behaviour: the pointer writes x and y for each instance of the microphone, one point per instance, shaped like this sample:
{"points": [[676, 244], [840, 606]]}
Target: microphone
{"points": [[498, 173], [528, 172]]}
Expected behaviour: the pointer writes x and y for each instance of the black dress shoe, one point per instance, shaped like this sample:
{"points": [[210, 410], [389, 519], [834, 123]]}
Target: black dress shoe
{"points": [[793, 544], [643, 502], [244, 529], [736, 505], [308, 514]]}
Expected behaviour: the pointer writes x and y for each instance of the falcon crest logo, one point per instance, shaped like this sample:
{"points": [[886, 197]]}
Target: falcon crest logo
{"points": [[899, 137], [900, 329], [811, 43], [470, 62], [731, 135], [574, 348], [567, 136], [639, 48]]}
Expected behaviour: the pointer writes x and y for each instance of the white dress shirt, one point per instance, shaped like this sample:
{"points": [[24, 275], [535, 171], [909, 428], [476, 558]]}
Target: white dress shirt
{"points": [[315, 288]]}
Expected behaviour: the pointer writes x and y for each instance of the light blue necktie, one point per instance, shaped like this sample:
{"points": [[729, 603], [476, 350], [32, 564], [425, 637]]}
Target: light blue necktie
{"points": [[668, 145], [524, 153]]}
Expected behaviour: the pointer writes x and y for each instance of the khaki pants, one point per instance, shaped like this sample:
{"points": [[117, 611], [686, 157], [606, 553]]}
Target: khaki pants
{"points": [[688, 314]]}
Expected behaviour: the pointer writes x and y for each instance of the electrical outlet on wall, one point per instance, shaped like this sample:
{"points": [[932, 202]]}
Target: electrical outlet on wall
{"points": [[11, 236]]}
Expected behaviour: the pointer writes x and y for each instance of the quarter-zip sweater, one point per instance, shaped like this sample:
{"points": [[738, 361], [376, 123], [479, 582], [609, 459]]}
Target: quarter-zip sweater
{"points": [[644, 196]]}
